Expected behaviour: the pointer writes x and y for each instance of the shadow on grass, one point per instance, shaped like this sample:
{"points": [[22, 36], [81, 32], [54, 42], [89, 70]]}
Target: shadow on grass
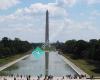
{"points": [[97, 70], [96, 64]]}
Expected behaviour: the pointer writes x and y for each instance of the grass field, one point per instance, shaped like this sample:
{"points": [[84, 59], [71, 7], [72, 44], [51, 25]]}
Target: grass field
{"points": [[84, 65], [6, 60]]}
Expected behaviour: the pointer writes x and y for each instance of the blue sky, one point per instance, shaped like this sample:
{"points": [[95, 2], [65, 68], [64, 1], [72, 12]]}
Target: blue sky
{"points": [[74, 19]]}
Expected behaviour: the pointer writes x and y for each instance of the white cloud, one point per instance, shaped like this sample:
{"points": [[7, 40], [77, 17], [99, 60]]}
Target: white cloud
{"points": [[92, 1], [70, 2], [64, 3], [29, 23], [4, 4], [78, 30], [95, 13], [82, 14]]}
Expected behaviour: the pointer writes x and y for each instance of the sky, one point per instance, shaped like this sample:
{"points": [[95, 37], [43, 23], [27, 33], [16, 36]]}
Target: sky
{"points": [[68, 19]]}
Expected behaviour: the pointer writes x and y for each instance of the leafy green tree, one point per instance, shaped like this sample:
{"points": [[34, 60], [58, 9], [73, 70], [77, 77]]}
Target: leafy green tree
{"points": [[10, 47]]}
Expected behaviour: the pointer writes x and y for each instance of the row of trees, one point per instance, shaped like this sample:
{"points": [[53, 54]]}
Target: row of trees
{"points": [[81, 49], [10, 47]]}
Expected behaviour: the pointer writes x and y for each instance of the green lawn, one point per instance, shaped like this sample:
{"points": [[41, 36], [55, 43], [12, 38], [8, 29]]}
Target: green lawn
{"points": [[9, 59], [84, 65], [6, 60]]}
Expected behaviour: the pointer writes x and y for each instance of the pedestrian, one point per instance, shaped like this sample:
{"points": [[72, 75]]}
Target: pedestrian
{"points": [[14, 78]]}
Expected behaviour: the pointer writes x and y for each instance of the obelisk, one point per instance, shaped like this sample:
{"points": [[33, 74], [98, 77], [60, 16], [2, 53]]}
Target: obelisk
{"points": [[47, 43], [47, 29]]}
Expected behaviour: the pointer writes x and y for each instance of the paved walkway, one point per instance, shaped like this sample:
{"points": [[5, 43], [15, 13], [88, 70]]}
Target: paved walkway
{"points": [[73, 66], [42, 78], [11, 63]]}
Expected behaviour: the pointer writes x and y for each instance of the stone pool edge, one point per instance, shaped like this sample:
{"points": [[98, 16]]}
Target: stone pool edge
{"points": [[74, 67]]}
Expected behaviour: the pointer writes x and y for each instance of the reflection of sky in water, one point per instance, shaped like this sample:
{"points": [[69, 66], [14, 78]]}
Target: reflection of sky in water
{"points": [[35, 67]]}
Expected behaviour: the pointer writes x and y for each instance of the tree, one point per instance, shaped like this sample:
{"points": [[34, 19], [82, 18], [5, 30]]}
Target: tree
{"points": [[81, 46], [10, 47]]}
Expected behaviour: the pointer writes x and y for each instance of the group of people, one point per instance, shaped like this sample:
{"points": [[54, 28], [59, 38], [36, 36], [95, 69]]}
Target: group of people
{"points": [[40, 77]]}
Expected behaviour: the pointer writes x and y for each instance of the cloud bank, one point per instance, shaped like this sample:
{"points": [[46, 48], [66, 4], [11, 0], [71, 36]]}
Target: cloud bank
{"points": [[28, 23], [5, 4]]}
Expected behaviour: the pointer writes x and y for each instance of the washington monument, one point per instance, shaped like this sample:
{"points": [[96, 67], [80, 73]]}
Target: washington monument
{"points": [[47, 43]]}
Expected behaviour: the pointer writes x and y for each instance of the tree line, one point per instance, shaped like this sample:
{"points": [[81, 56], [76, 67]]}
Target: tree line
{"points": [[10, 47], [81, 49]]}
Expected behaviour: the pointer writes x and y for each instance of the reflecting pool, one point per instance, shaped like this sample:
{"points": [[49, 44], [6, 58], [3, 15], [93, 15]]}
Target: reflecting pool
{"points": [[34, 67]]}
